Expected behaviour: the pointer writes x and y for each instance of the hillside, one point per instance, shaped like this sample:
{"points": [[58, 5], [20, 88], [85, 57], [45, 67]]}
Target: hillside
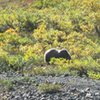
{"points": [[28, 28]]}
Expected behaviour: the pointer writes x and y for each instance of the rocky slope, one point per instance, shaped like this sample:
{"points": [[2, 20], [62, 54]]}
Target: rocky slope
{"points": [[26, 88]]}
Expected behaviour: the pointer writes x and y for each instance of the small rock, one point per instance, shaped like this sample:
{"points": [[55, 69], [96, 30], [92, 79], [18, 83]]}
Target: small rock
{"points": [[73, 89], [5, 97], [89, 95], [83, 98], [65, 75], [25, 98], [33, 97], [24, 95], [97, 94], [43, 99], [1, 94], [17, 97], [44, 95], [12, 96], [64, 94], [87, 89], [56, 97], [82, 93]]}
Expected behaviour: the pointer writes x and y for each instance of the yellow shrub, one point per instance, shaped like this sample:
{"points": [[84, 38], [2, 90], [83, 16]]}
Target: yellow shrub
{"points": [[80, 45], [10, 31], [38, 48], [40, 33]]}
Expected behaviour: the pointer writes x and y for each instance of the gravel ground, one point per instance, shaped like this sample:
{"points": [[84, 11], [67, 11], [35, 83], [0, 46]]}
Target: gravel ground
{"points": [[73, 88]]}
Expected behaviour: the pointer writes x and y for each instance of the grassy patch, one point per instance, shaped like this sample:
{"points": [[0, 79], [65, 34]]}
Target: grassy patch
{"points": [[94, 75], [49, 87], [6, 84]]}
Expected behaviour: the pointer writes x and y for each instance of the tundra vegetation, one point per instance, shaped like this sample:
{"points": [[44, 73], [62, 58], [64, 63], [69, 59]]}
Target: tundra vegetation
{"points": [[29, 28]]}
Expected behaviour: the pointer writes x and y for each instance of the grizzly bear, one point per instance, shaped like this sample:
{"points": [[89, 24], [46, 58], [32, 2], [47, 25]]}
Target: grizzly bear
{"points": [[56, 54]]}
